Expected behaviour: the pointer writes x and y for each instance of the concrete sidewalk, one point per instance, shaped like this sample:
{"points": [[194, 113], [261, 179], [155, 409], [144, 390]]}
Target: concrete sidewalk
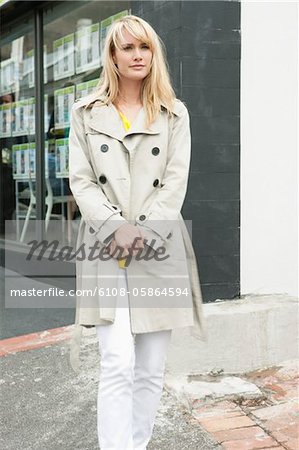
{"points": [[255, 410], [45, 405]]}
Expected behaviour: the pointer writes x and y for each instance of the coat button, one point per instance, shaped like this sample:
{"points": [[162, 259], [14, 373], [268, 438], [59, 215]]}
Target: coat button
{"points": [[142, 217], [91, 230], [104, 148], [103, 179], [156, 182], [155, 151]]}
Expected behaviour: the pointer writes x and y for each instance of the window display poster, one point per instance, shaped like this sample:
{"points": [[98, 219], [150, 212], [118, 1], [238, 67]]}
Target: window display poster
{"points": [[120, 14], [105, 25], [8, 74], [23, 117], [63, 49], [28, 67], [24, 160], [87, 48], [57, 58], [46, 115], [63, 102], [20, 118], [13, 117], [31, 115], [62, 158], [95, 45], [83, 89], [32, 157], [5, 120], [21, 161]]}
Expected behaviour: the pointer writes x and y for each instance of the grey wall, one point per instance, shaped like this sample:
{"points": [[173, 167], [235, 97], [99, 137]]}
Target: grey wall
{"points": [[203, 48]]}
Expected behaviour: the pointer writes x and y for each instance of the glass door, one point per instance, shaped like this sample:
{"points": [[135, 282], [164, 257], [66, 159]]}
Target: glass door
{"points": [[74, 33]]}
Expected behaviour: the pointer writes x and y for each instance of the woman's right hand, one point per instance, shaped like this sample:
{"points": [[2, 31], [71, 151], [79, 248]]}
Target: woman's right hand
{"points": [[124, 237]]}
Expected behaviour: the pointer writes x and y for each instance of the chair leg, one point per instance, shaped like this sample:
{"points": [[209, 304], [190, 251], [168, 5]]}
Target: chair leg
{"points": [[25, 226], [69, 221], [48, 214], [62, 220]]}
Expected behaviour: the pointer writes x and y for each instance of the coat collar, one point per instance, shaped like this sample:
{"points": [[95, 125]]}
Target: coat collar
{"points": [[106, 119]]}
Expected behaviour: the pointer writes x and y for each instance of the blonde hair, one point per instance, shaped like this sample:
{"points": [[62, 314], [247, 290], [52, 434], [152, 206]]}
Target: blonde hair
{"points": [[156, 87]]}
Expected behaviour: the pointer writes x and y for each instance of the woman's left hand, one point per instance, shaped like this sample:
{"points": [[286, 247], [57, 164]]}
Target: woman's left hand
{"points": [[118, 252]]}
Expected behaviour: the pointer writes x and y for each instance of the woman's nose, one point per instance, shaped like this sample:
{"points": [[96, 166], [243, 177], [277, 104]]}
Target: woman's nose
{"points": [[137, 54]]}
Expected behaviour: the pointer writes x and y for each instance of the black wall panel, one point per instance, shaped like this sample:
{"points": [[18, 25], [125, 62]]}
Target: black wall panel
{"points": [[203, 42]]}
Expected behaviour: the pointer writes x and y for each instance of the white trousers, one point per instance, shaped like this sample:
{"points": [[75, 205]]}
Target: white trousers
{"points": [[131, 381]]}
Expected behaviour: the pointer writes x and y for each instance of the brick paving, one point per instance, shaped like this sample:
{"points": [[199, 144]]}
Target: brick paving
{"points": [[270, 422]]}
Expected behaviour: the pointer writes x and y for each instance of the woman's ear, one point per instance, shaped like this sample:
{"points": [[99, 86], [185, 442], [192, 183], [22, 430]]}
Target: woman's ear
{"points": [[114, 59]]}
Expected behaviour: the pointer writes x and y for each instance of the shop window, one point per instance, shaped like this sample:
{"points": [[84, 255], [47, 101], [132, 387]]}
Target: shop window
{"points": [[73, 40]]}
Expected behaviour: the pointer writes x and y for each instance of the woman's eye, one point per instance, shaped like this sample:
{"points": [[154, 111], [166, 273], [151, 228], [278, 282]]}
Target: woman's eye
{"points": [[129, 47]]}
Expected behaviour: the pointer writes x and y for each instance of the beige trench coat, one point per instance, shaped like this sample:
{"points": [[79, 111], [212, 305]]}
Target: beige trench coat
{"points": [[138, 176]]}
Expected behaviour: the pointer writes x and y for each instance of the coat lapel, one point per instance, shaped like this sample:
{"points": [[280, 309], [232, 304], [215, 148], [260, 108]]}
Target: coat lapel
{"points": [[105, 119], [135, 134]]}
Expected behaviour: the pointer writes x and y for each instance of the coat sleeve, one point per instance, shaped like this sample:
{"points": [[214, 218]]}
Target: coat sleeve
{"points": [[102, 217], [163, 214]]}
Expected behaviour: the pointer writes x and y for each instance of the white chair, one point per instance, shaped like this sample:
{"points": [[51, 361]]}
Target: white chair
{"points": [[50, 201]]}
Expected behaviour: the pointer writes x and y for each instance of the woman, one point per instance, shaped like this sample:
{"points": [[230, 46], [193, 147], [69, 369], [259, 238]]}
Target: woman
{"points": [[129, 162]]}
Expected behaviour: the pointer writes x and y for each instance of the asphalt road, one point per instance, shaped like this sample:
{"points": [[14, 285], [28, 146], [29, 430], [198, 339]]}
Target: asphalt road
{"points": [[19, 321]]}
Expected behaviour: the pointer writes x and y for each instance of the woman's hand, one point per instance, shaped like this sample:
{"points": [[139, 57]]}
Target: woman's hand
{"points": [[129, 240]]}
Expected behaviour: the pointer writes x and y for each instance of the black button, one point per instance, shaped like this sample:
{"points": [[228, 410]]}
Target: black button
{"points": [[103, 179], [169, 235], [155, 151], [104, 148], [91, 230], [142, 217], [156, 182]]}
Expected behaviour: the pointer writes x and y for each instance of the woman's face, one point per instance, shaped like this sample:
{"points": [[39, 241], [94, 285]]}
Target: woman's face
{"points": [[134, 58]]}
